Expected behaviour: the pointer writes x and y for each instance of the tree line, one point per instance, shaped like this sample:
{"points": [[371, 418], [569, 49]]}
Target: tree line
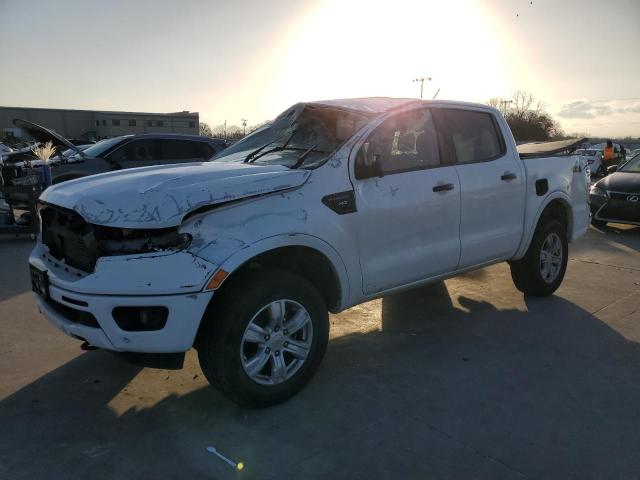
{"points": [[527, 118]]}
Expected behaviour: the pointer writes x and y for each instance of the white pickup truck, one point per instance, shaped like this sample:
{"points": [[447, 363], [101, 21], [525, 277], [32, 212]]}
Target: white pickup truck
{"points": [[332, 204]]}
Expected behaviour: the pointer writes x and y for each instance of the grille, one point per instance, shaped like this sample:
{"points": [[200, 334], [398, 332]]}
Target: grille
{"points": [[76, 316], [69, 237], [621, 210]]}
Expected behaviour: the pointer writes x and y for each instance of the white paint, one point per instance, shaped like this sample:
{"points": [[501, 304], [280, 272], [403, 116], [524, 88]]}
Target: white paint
{"points": [[402, 235]]}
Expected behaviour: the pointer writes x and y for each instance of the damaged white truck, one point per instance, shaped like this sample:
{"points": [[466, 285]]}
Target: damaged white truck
{"points": [[332, 204]]}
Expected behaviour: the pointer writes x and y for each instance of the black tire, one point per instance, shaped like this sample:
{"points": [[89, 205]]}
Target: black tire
{"points": [[526, 272], [219, 341]]}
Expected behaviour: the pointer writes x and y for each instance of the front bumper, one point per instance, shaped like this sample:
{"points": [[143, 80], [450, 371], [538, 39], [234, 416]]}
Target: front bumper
{"points": [[171, 281], [614, 209], [178, 334]]}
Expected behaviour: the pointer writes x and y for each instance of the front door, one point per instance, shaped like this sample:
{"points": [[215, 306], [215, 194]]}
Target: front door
{"points": [[408, 218]]}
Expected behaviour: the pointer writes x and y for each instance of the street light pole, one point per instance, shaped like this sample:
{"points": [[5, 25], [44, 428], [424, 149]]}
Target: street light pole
{"points": [[421, 80], [244, 126]]}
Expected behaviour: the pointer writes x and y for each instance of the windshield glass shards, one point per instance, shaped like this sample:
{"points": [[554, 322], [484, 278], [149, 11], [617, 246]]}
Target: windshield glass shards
{"points": [[303, 136]]}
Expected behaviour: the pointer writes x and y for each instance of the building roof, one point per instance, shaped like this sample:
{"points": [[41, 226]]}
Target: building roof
{"points": [[109, 112]]}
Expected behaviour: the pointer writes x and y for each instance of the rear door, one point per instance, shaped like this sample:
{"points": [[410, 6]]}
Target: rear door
{"points": [[492, 185], [407, 220]]}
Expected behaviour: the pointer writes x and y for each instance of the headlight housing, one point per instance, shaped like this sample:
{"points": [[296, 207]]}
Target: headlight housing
{"points": [[599, 192]]}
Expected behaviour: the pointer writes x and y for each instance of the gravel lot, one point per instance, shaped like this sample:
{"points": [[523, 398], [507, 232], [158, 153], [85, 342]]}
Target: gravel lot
{"points": [[461, 379]]}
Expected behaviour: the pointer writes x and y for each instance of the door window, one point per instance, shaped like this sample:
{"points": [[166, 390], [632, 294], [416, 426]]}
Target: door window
{"points": [[407, 141], [136, 151], [204, 150], [177, 150], [474, 136]]}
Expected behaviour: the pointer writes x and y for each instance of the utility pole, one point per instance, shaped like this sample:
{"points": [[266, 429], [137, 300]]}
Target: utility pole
{"points": [[244, 126], [421, 80], [503, 106]]}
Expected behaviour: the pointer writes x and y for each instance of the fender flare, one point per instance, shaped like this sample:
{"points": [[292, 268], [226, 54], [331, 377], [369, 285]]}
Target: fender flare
{"points": [[246, 253], [528, 235]]}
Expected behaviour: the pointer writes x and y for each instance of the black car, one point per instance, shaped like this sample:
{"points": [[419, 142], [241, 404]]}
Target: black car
{"points": [[616, 198], [127, 151]]}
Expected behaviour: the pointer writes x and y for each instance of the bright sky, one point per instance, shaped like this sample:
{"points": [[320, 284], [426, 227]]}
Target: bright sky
{"points": [[252, 59]]}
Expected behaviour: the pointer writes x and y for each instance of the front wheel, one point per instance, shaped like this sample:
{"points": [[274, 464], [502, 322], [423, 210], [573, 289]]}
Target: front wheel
{"points": [[264, 338], [541, 271]]}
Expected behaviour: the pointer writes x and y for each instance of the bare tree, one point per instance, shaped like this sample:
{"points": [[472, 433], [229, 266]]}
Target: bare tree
{"points": [[527, 118], [205, 129]]}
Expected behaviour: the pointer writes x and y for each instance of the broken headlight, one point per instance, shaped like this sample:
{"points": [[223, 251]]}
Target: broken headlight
{"points": [[127, 241]]}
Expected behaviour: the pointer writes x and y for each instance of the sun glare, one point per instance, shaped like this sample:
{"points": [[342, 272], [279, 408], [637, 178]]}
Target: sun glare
{"points": [[359, 48]]}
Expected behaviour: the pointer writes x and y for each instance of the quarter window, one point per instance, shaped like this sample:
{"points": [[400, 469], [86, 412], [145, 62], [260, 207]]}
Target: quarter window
{"points": [[474, 135], [406, 141]]}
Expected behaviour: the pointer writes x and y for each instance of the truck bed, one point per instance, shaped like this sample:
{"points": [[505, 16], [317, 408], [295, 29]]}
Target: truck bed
{"points": [[547, 149]]}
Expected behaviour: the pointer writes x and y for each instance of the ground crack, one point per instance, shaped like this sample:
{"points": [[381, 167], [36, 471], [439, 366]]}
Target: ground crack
{"points": [[475, 450], [604, 264]]}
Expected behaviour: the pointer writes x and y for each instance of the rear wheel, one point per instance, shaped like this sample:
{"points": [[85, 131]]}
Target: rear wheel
{"points": [[264, 338], [541, 271]]}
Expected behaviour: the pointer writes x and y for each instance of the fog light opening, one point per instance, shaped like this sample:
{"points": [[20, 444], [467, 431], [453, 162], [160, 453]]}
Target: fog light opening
{"points": [[140, 319]]}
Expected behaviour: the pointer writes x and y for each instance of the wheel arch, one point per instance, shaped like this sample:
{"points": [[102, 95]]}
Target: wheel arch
{"points": [[556, 206], [304, 254]]}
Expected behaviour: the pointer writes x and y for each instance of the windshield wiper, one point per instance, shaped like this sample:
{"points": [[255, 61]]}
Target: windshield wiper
{"points": [[304, 156], [253, 156]]}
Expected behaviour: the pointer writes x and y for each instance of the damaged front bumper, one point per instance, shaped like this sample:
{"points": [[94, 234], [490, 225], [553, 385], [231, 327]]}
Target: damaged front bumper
{"points": [[84, 305]]}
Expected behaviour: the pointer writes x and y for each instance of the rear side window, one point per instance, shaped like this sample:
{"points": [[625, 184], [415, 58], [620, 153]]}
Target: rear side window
{"points": [[177, 149], [474, 136]]}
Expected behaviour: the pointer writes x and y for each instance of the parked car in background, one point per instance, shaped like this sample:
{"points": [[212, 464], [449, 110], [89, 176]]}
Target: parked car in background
{"points": [[127, 151], [4, 150], [616, 198], [332, 204], [593, 158]]}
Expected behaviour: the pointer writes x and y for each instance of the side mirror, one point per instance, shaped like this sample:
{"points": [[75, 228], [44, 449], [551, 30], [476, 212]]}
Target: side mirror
{"points": [[368, 164]]}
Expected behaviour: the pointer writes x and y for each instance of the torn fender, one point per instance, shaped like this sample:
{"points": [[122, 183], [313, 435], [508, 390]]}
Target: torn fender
{"points": [[160, 196]]}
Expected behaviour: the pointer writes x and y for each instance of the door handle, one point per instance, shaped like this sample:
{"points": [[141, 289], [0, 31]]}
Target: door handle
{"points": [[508, 176], [443, 187]]}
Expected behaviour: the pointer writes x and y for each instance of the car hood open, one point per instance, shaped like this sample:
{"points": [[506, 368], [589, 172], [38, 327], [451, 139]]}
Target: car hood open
{"points": [[160, 196], [44, 135]]}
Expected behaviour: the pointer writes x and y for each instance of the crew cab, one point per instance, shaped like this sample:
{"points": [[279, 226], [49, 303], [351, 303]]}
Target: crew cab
{"points": [[332, 204]]}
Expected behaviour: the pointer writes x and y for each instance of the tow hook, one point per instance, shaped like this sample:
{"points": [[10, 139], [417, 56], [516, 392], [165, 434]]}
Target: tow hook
{"points": [[87, 346]]}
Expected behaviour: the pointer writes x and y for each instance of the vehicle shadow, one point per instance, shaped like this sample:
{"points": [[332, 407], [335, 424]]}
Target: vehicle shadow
{"points": [[614, 236], [14, 281], [450, 387]]}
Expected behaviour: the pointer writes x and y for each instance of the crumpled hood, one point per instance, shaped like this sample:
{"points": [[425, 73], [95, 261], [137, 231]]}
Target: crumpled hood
{"points": [[160, 196]]}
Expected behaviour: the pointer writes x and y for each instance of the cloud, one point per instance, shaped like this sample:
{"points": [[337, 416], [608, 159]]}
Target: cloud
{"points": [[594, 109], [584, 109]]}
